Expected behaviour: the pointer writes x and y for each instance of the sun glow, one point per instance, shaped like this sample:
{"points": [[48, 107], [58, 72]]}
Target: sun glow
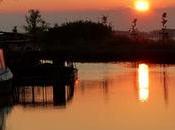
{"points": [[142, 5], [143, 82]]}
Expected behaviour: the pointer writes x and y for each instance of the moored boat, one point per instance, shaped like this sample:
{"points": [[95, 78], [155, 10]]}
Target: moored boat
{"points": [[5, 72]]}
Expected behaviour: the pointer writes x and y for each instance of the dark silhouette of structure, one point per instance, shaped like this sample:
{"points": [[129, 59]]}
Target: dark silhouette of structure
{"points": [[43, 85]]}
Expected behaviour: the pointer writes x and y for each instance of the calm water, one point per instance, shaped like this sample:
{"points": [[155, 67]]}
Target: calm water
{"points": [[106, 96]]}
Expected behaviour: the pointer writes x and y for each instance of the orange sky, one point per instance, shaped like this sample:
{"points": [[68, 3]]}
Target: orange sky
{"points": [[57, 5], [120, 12]]}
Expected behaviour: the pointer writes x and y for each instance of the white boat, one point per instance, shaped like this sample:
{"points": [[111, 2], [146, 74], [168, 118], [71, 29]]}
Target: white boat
{"points": [[5, 75], [5, 72]]}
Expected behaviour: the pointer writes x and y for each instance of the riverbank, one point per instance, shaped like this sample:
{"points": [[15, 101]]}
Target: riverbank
{"points": [[85, 41], [147, 56]]}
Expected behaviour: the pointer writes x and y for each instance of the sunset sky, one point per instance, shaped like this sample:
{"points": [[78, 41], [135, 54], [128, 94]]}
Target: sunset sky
{"points": [[58, 11]]}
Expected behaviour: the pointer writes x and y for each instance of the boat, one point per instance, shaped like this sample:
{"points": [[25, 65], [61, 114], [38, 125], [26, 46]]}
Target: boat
{"points": [[44, 70], [5, 72]]}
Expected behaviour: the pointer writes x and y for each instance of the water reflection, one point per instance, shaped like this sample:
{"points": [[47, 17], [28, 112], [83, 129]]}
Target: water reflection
{"points": [[143, 76], [107, 92], [55, 94], [165, 84], [34, 94], [4, 111], [6, 103]]}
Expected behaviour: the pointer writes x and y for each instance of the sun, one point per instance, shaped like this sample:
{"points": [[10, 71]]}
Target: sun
{"points": [[142, 5]]}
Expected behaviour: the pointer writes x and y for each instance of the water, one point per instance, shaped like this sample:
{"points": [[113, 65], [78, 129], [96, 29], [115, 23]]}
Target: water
{"points": [[106, 96]]}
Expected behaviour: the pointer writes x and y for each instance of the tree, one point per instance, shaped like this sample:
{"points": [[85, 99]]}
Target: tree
{"points": [[34, 21], [104, 19], [15, 30]]}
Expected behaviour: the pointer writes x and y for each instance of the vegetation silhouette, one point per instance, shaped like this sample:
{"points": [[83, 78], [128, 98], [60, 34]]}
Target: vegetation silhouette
{"points": [[15, 30], [35, 23], [78, 33], [84, 40]]}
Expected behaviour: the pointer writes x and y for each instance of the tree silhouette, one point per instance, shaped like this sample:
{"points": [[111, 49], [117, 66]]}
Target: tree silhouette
{"points": [[15, 30], [164, 31], [81, 29], [34, 21], [133, 30], [164, 20], [104, 19]]}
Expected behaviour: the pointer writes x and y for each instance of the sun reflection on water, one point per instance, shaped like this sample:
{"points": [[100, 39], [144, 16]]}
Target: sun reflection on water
{"points": [[143, 72]]}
